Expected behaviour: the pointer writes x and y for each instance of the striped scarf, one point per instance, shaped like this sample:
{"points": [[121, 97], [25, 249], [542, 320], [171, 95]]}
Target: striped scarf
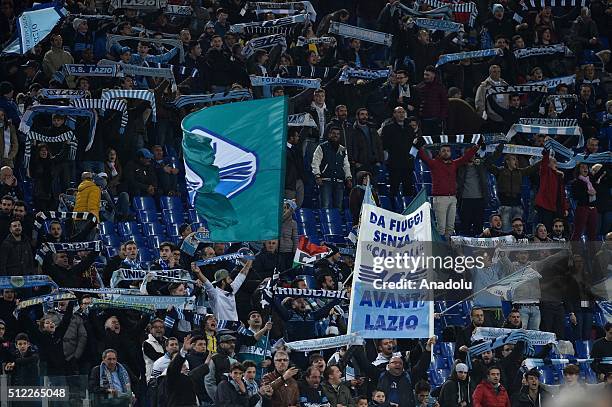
{"points": [[62, 93], [529, 88], [180, 72], [460, 56], [114, 39], [557, 3], [143, 94], [445, 139], [67, 137], [93, 246], [308, 72], [444, 11], [97, 304], [363, 34], [119, 105], [41, 217], [185, 100], [106, 380], [279, 26], [282, 8], [267, 41], [550, 130], [331, 41], [457, 8], [544, 121], [560, 102], [543, 50]]}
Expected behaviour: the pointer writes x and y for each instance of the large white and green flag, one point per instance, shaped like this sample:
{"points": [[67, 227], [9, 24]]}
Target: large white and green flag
{"points": [[235, 164]]}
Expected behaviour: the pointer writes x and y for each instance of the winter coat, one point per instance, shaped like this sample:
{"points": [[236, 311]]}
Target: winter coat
{"points": [[397, 142], [25, 372], [294, 167], [289, 234], [483, 105], [14, 147], [341, 395], [523, 399], [88, 198], [16, 257], [486, 396], [580, 192], [301, 325], [509, 181], [433, 99], [551, 195], [182, 388], [228, 396], [286, 392], [75, 338], [138, 177], [454, 391]]}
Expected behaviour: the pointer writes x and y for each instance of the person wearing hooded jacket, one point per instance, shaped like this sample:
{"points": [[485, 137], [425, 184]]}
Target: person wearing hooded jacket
{"points": [[531, 394], [458, 389]]}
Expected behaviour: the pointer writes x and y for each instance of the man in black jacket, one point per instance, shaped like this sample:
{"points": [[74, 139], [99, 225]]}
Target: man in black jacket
{"points": [[294, 175], [182, 380], [140, 175], [16, 253], [232, 392], [464, 336], [531, 395], [372, 157], [397, 137]]}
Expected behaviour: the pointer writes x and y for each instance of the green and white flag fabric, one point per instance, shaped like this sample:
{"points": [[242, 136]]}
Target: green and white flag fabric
{"points": [[235, 163]]}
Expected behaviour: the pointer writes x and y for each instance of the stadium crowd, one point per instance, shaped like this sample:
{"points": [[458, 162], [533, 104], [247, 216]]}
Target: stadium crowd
{"points": [[80, 202]]}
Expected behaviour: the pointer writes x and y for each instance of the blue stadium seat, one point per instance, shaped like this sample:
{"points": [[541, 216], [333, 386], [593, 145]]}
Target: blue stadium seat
{"points": [[172, 229], [193, 216], [154, 241], [172, 216], [153, 229], [146, 216], [110, 240], [139, 239], [171, 202], [196, 225], [548, 375], [107, 228], [146, 255], [583, 349], [307, 223], [331, 221], [144, 203], [128, 228]]}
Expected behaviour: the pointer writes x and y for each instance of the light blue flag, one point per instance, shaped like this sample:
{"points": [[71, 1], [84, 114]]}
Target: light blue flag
{"points": [[368, 197], [34, 25]]}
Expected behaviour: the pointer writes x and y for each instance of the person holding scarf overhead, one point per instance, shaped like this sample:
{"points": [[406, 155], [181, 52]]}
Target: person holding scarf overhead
{"points": [[585, 215], [550, 201]]}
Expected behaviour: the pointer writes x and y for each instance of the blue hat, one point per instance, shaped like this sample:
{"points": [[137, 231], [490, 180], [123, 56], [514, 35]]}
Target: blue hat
{"points": [[143, 152]]}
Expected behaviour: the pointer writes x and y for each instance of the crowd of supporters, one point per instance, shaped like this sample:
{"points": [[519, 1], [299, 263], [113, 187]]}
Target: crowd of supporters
{"points": [[388, 131]]}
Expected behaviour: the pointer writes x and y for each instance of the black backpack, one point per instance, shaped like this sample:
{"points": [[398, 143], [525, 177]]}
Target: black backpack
{"points": [[158, 391]]}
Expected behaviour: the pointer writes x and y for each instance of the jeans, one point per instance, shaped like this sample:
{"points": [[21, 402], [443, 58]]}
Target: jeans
{"points": [[530, 316], [331, 194], [445, 208], [508, 213]]}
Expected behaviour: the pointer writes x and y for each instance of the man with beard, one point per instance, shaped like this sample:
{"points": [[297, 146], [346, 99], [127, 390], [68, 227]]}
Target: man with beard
{"points": [[161, 364], [464, 336], [372, 157], [16, 253], [222, 294], [8, 302], [311, 392], [331, 169], [332, 265], [6, 210], [352, 141]]}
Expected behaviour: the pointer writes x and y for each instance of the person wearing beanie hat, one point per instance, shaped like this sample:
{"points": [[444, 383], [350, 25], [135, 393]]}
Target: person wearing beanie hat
{"points": [[82, 39], [532, 393], [79, 24], [500, 24], [458, 389]]}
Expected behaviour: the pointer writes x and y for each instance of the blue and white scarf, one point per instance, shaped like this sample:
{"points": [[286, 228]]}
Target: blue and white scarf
{"points": [[117, 104], [100, 291], [444, 11], [363, 34], [14, 282], [158, 302], [550, 130], [62, 93], [456, 7], [369, 74], [301, 120], [145, 5], [106, 380], [511, 338], [442, 25], [185, 11], [67, 137], [557, 3], [185, 100], [114, 40], [225, 257], [41, 217], [28, 117], [279, 26], [460, 56], [299, 82], [542, 50], [331, 41], [125, 274], [282, 8], [528, 88], [534, 337], [48, 247], [308, 72], [552, 83], [44, 299], [110, 71], [447, 139], [143, 94], [267, 41], [98, 304], [310, 345]]}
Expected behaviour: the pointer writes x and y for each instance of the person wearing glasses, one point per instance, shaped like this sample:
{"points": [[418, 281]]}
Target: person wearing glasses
{"points": [[282, 380]]}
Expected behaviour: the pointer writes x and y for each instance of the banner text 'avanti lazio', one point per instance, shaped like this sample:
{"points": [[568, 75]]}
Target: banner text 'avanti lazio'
{"points": [[386, 302], [234, 163]]}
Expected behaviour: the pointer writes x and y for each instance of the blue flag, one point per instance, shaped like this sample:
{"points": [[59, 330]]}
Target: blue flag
{"points": [[234, 163], [34, 25]]}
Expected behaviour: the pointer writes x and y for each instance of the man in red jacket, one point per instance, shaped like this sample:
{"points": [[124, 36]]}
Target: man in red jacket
{"points": [[491, 393], [551, 201], [444, 185]]}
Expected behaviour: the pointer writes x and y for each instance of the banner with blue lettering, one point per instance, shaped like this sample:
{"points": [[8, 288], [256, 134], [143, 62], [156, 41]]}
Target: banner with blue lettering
{"points": [[388, 299]]}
